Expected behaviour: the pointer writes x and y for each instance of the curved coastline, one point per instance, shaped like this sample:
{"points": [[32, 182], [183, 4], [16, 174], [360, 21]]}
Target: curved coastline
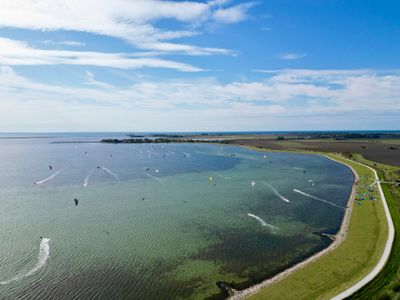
{"points": [[386, 253], [339, 238]]}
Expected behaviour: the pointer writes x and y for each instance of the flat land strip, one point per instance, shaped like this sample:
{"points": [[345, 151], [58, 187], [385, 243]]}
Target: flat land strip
{"points": [[349, 262], [387, 284], [383, 151]]}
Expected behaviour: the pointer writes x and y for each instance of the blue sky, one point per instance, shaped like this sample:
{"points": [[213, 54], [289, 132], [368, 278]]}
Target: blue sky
{"points": [[218, 65]]}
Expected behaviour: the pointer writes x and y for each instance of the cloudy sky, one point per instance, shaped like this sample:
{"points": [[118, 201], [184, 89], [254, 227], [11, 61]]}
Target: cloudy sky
{"points": [[217, 65]]}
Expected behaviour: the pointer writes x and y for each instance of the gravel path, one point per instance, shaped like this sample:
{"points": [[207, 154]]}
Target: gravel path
{"points": [[386, 252]]}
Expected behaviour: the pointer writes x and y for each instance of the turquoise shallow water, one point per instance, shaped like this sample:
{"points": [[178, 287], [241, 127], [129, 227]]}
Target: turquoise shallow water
{"points": [[157, 221]]}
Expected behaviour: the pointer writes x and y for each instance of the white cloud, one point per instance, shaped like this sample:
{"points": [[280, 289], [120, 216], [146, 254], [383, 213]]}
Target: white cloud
{"points": [[132, 21], [312, 75], [218, 2], [292, 56], [338, 98], [72, 43], [233, 14], [90, 80], [186, 49], [64, 43], [14, 52]]}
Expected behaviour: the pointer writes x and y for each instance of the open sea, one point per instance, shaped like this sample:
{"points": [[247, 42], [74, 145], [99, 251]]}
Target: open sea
{"points": [[157, 221]]}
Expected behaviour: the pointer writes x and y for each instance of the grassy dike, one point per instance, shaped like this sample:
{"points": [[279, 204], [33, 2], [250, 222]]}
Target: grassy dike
{"points": [[387, 284], [349, 262]]}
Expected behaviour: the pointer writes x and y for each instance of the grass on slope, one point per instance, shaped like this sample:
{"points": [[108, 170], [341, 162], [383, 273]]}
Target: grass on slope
{"points": [[348, 263], [387, 284]]}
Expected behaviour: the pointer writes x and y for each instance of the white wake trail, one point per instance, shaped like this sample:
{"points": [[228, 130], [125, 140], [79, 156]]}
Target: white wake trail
{"points": [[86, 180], [263, 223], [258, 219], [50, 177], [276, 192], [111, 173], [316, 198], [299, 169], [44, 253]]}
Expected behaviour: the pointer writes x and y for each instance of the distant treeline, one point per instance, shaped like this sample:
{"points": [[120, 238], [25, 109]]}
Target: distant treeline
{"points": [[158, 141], [164, 135]]}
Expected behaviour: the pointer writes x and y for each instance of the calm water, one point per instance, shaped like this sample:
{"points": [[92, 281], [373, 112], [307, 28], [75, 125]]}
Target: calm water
{"points": [[157, 221]]}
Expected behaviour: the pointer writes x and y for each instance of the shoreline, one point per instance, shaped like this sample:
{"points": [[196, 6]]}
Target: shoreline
{"points": [[339, 238], [386, 252]]}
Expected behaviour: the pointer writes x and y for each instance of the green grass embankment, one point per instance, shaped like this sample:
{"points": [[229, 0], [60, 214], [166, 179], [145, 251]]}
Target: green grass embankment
{"points": [[387, 284]]}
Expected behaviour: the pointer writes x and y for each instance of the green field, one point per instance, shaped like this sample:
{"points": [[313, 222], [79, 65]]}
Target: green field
{"points": [[387, 284], [348, 263]]}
